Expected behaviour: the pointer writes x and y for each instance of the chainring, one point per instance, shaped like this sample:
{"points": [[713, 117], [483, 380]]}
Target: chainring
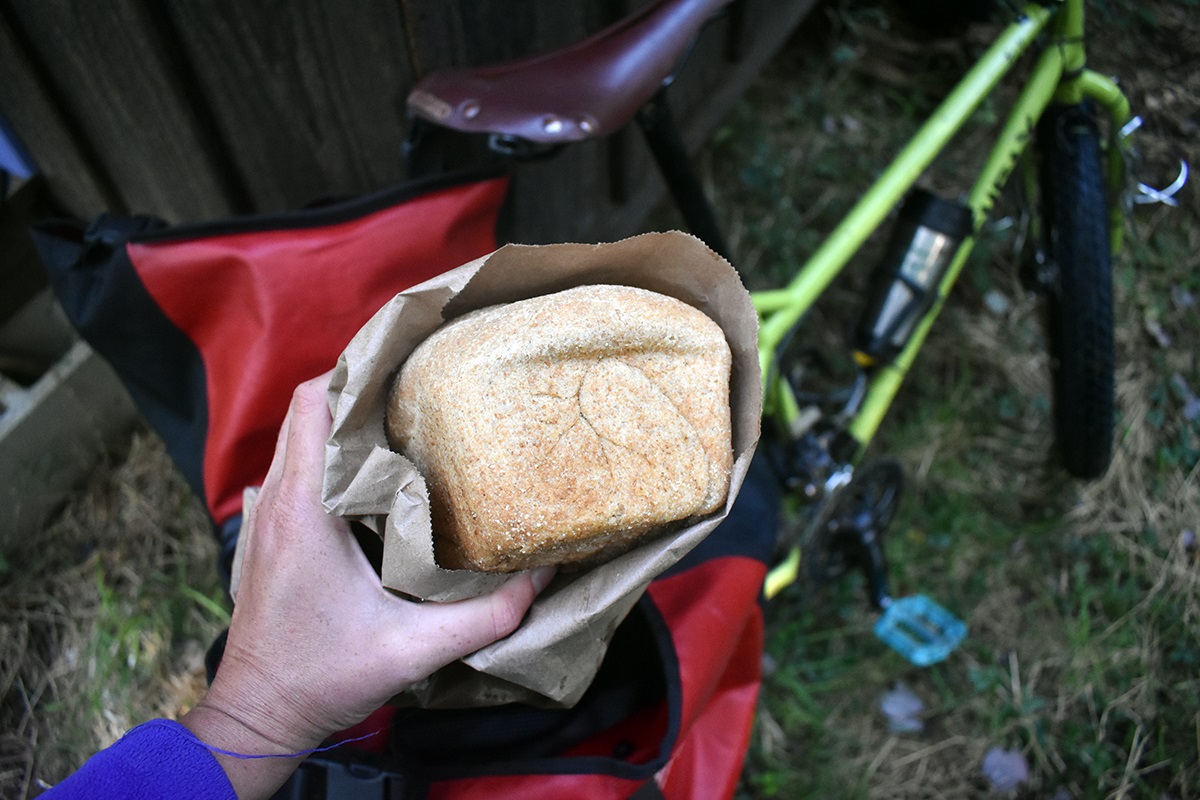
{"points": [[864, 506]]}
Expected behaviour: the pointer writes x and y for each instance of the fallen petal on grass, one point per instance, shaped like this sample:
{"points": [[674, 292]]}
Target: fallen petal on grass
{"points": [[1005, 769], [903, 710]]}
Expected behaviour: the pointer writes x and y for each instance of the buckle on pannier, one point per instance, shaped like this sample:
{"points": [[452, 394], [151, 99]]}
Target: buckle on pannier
{"points": [[324, 779]]}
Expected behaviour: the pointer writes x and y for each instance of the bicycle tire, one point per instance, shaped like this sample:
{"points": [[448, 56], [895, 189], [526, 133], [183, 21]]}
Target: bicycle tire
{"points": [[1079, 297]]}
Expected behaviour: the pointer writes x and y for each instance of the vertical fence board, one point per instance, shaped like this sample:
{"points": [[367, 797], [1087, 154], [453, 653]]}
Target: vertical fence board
{"points": [[115, 81], [308, 96], [488, 31], [715, 85], [29, 107]]}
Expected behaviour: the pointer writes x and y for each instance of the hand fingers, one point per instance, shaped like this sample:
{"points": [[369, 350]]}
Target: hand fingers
{"points": [[291, 489], [453, 630], [304, 430]]}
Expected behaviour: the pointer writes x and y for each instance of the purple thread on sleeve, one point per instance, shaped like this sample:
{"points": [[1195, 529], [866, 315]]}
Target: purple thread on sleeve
{"points": [[297, 754]]}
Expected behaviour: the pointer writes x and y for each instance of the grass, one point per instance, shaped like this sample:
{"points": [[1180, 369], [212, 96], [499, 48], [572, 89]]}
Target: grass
{"points": [[1083, 600], [106, 618]]}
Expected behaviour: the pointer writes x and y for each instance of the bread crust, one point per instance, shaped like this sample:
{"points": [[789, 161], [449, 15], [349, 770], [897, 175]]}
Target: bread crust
{"points": [[563, 428]]}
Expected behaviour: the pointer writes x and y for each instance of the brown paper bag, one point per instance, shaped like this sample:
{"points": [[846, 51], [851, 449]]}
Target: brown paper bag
{"points": [[551, 659]]}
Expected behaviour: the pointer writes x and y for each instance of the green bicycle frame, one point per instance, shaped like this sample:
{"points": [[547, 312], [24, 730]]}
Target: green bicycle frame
{"points": [[1058, 76]]}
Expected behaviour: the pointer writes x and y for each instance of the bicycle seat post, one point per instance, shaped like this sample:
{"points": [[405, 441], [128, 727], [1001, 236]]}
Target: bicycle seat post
{"points": [[657, 124]]}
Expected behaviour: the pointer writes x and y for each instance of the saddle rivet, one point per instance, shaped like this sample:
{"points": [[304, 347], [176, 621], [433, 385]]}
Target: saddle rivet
{"points": [[587, 125], [470, 109], [552, 124]]}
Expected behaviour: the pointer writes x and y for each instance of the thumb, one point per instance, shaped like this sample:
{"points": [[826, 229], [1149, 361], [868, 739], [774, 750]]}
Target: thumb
{"points": [[446, 632]]}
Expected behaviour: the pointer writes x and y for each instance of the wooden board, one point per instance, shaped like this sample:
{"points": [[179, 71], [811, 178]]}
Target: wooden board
{"points": [[51, 440]]}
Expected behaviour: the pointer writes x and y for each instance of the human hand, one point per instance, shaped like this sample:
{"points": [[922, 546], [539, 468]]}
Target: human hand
{"points": [[316, 643]]}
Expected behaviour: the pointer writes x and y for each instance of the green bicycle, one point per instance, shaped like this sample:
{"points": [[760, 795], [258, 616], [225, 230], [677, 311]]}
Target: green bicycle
{"points": [[1079, 228]]}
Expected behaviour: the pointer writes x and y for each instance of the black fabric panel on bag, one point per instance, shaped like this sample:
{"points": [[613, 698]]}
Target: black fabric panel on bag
{"points": [[649, 791], [107, 303], [639, 670]]}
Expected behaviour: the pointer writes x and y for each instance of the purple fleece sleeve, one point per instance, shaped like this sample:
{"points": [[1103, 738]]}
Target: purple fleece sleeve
{"points": [[157, 759]]}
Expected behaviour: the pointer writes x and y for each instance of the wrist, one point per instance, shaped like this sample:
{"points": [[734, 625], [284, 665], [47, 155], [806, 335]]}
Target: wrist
{"points": [[255, 720], [244, 743], [222, 730]]}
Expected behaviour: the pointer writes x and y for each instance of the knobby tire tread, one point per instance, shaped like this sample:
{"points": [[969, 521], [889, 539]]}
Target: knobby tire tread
{"points": [[1079, 303]]}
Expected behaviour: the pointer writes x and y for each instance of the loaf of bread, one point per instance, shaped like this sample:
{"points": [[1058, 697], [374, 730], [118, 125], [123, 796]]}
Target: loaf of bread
{"points": [[563, 428]]}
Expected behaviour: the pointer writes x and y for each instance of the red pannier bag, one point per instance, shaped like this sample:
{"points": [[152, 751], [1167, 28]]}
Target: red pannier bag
{"points": [[210, 326]]}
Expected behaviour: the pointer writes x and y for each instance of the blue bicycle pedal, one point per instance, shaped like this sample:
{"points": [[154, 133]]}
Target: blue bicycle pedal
{"points": [[920, 630]]}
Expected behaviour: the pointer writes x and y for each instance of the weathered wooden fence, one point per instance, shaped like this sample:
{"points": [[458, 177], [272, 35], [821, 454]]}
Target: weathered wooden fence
{"points": [[194, 109]]}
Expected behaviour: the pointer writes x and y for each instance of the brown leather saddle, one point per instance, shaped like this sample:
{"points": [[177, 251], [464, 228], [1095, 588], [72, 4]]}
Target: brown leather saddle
{"points": [[585, 90]]}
